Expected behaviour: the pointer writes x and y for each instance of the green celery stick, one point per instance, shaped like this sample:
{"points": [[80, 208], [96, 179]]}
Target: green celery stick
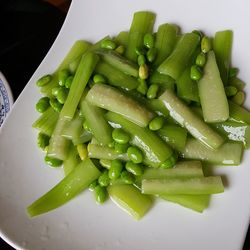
{"points": [[187, 89], [179, 59], [82, 76], [174, 186], [222, 46], [142, 23], [116, 77], [156, 151], [122, 38], [174, 135], [119, 62], [166, 39], [85, 136], [130, 199], [112, 99], [193, 123], [157, 106], [47, 121], [230, 153], [212, 93], [72, 185], [195, 202], [239, 113], [97, 123], [71, 161], [103, 152]]}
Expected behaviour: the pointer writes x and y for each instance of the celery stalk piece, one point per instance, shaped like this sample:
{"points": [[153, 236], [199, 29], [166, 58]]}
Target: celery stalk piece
{"points": [[193, 186], [230, 153], [122, 38], [212, 93], [119, 62], [142, 23], [179, 59], [157, 106], [85, 136], [222, 46], [58, 145], [46, 122], [72, 185], [187, 89], [174, 135], [182, 169], [116, 77], [112, 99], [197, 203], [239, 113], [73, 129], [71, 161], [81, 78], [103, 152], [166, 39], [100, 128], [130, 199], [193, 123], [156, 151], [77, 50]]}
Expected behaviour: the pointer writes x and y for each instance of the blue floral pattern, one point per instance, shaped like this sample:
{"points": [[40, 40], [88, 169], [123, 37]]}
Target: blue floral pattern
{"points": [[4, 102]]}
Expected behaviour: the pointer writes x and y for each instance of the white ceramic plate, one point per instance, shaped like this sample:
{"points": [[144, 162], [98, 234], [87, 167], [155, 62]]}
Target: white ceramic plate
{"points": [[81, 224]]}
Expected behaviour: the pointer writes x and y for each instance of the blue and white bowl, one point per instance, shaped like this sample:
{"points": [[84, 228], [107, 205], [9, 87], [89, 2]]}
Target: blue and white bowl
{"points": [[6, 98]]}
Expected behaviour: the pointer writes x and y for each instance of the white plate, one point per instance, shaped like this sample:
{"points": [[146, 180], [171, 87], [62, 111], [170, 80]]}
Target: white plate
{"points": [[81, 224]]}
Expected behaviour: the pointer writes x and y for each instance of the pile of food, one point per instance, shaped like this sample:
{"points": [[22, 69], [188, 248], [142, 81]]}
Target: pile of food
{"points": [[133, 117]]}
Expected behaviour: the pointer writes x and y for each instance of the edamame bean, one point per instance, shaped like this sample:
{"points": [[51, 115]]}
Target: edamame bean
{"points": [[170, 162], [68, 82], [206, 44], [42, 141], [62, 95], [108, 44], [93, 185], [121, 148], [133, 168], [86, 126], [53, 162], [201, 59], [141, 60], [151, 54], [55, 90], [115, 169], [230, 90], [120, 49], [156, 123], [103, 179], [100, 194], [98, 78], [233, 72], [127, 177], [42, 104], [82, 151], [44, 80], [149, 40], [57, 106], [239, 98], [143, 71], [195, 73], [120, 136], [62, 76], [135, 154], [105, 163], [140, 51], [142, 87], [152, 91]]}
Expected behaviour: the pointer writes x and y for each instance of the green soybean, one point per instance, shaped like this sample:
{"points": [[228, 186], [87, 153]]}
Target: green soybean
{"points": [[62, 76], [239, 98], [135, 154], [156, 123], [120, 49], [233, 72], [98, 78], [53, 162], [42, 140], [108, 44], [149, 40], [57, 106], [142, 87], [68, 82], [140, 51], [43, 104], [133, 168], [127, 177], [231, 91], [152, 91], [55, 90], [120, 136], [206, 44], [115, 169], [195, 73], [62, 95], [93, 185], [86, 126], [44, 80], [151, 54], [141, 60], [105, 163], [201, 59], [143, 71], [103, 179], [121, 148], [100, 194]]}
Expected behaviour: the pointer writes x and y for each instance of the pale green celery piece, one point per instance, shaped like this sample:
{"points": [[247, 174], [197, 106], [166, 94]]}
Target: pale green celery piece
{"points": [[46, 122], [212, 94], [130, 199], [71, 161], [188, 119], [230, 153], [122, 38], [176, 186], [112, 99], [72, 185], [239, 113]]}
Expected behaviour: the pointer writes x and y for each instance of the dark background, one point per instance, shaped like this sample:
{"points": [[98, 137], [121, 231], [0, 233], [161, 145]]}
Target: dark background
{"points": [[28, 29]]}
